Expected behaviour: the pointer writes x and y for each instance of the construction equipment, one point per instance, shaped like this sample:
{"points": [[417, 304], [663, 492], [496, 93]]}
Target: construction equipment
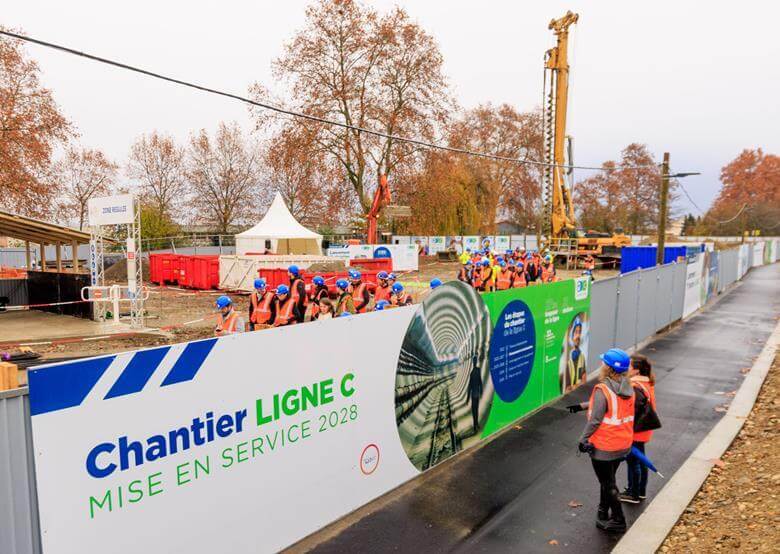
{"points": [[381, 199], [559, 223]]}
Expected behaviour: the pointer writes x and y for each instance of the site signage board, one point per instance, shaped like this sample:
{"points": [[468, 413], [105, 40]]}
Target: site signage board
{"points": [[110, 210], [209, 447], [436, 244], [693, 285]]}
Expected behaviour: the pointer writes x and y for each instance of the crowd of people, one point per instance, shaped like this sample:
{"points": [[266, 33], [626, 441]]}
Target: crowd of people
{"points": [[290, 304], [621, 419], [488, 271]]}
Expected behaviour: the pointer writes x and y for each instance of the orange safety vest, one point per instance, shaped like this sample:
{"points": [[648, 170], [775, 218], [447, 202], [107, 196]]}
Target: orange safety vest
{"points": [[548, 272], [649, 390], [504, 279], [358, 300], [616, 431], [487, 276], [294, 291], [401, 299], [382, 293], [285, 314], [261, 311], [227, 325], [519, 279]]}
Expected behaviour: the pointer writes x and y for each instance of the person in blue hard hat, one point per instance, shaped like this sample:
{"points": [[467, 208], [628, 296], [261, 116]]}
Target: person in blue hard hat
{"points": [[230, 321], [298, 292], [262, 306], [435, 282], [344, 301], [319, 292], [381, 305], [360, 295], [609, 433], [287, 312], [464, 273], [400, 297], [383, 287]]}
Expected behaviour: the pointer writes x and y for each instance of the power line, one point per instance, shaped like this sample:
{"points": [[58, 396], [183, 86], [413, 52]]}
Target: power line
{"points": [[308, 117]]}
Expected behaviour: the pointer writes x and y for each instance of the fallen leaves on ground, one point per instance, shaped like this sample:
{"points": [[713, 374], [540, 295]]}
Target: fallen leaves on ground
{"points": [[574, 504], [737, 508], [553, 542]]}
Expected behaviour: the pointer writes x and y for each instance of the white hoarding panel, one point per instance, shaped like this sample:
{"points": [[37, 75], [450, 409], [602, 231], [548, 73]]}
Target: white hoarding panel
{"points": [[693, 281], [110, 210], [471, 242], [436, 244], [502, 243], [758, 254]]}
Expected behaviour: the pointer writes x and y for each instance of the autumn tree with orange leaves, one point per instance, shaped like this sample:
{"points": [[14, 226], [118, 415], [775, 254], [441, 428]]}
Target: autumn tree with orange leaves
{"points": [[749, 199], [157, 163], [31, 128], [83, 174], [370, 70], [623, 196]]}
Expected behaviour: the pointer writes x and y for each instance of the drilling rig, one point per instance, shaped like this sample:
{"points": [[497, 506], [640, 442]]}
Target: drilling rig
{"points": [[559, 223]]}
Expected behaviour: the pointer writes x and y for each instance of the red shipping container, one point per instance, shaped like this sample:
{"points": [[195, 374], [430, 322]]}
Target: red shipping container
{"points": [[378, 264], [167, 268], [204, 272], [154, 268]]}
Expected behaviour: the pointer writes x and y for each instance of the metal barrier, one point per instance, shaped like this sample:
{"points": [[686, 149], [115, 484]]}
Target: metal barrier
{"points": [[111, 293]]}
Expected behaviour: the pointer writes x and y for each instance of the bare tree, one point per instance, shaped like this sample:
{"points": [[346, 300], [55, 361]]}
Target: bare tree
{"points": [[224, 173], [83, 174], [157, 162]]}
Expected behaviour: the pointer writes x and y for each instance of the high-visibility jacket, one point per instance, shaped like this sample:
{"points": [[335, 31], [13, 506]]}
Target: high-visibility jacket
{"points": [[382, 293], [590, 263], [320, 293], [298, 292], [401, 299], [227, 325], [286, 314], [616, 431], [519, 280], [548, 272], [344, 304], [476, 278], [261, 308], [360, 297], [487, 277], [649, 391], [504, 280], [463, 274]]}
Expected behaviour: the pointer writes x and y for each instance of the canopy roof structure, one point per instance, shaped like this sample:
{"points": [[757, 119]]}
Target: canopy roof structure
{"points": [[40, 232], [280, 233]]}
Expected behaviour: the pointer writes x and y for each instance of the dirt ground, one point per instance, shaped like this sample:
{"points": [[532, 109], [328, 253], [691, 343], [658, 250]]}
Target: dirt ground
{"points": [[173, 306], [738, 507]]}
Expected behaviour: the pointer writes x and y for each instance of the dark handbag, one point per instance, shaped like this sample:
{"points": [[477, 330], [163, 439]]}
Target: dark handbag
{"points": [[645, 417]]}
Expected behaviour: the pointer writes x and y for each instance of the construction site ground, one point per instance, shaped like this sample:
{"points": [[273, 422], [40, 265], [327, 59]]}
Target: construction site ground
{"points": [[182, 314], [738, 507]]}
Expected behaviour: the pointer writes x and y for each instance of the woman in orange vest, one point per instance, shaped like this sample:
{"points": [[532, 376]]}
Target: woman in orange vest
{"points": [[230, 321], [504, 278], [643, 381], [609, 433], [262, 306], [287, 312]]}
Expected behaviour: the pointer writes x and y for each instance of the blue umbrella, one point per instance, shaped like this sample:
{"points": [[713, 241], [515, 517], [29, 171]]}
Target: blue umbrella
{"points": [[644, 460]]}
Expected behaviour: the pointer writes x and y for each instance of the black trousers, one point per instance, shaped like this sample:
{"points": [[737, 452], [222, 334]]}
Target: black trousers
{"points": [[605, 472]]}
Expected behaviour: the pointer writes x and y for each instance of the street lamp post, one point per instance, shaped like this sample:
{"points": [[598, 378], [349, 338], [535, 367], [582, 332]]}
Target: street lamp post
{"points": [[664, 208]]}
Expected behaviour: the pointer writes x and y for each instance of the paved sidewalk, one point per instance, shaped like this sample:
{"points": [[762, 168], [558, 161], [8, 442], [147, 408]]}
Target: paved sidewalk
{"points": [[513, 494]]}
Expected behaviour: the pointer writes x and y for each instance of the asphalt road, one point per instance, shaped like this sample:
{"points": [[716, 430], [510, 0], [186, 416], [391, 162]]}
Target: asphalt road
{"points": [[513, 494]]}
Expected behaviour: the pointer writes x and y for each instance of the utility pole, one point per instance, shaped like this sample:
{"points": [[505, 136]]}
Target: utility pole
{"points": [[663, 211]]}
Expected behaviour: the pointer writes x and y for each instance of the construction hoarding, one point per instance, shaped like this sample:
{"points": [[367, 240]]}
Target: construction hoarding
{"points": [[209, 447]]}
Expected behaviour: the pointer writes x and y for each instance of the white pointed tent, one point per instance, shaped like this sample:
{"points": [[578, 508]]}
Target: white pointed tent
{"points": [[280, 233]]}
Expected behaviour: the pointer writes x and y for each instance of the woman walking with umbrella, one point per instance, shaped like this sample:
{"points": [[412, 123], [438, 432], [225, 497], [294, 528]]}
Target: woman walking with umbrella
{"points": [[609, 433]]}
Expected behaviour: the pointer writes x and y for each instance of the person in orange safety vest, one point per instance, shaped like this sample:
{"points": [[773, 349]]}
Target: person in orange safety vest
{"points": [[287, 313], [609, 433], [360, 295], [383, 287], [504, 278], [298, 291], [519, 279], [262, 306], [548, 270], [230, 321], [400, 297]]}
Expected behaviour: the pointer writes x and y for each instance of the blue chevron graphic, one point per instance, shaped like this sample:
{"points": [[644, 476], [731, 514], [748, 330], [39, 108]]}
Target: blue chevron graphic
{"points": [[66, 385]]}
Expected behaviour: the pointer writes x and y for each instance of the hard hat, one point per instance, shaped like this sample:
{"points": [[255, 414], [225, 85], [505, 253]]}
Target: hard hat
{"points": [[398, 287], [392, 277], [294, 270], [468, 249], [223, 302], [511, 262], [522, 249], [282, 289], [381, 305], [617, 359], [342, 284], [502, 263], [468, 262], [259, 283], [318, 280], [381, 275], [345, 314], [548, 257], [354, 274], [435, 282], [508, 251], [486, 262]]}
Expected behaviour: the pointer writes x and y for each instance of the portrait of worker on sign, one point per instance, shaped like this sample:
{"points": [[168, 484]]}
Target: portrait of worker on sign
{"points": [[572, 370]]}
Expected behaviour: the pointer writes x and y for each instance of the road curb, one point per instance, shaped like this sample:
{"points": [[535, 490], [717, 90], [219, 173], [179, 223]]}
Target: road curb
{"points": [[652, 527]]}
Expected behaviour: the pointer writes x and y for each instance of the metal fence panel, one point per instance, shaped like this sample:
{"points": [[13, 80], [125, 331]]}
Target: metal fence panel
{"points": [[603, 303], [627, 306], [648, 297], [18, 497], [13, 292], [664, 296], [678, 290]]}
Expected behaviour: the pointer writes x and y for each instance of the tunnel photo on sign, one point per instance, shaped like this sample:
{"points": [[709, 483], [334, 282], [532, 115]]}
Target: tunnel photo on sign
{"points": [[443, 389], [572, 370]]}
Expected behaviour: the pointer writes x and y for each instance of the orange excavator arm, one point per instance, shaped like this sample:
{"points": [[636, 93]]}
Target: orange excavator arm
{"points": [[381, 199]]}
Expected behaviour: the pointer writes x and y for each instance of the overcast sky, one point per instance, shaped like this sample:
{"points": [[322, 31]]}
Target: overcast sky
{"points": [[700, 80]]}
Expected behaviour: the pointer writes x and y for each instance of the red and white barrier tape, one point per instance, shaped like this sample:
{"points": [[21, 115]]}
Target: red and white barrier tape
{"points": [[22, 307]]}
